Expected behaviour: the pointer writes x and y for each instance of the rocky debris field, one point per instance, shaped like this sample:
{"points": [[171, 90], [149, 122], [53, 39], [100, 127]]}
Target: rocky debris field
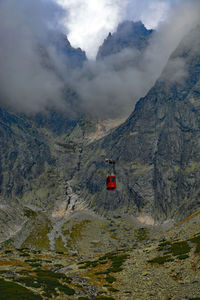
{"points": [[102, 258]]}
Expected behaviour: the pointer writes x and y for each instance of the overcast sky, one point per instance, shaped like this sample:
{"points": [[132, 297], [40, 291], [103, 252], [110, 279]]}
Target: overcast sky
{"points": [[88, 22]]}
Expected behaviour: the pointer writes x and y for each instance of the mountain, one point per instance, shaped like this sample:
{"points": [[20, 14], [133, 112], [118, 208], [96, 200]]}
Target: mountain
{"points": [[25, 156], [26, 150], [157, 149], [73, 57], [128, 35], [64, 236], [156, 152]]}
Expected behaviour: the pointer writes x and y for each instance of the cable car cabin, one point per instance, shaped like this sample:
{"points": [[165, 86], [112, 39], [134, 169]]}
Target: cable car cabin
{"points": [[111, 183]]}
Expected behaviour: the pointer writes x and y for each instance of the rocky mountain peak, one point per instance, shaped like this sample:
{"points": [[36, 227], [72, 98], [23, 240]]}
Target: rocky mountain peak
{"points": [[75, 57], [130, 27], [129, 34]]}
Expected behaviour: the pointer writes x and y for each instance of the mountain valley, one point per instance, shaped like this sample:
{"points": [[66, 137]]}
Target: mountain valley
{"points": [[62, 234]]}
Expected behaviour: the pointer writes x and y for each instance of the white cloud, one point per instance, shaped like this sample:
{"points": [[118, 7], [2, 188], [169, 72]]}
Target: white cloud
{"points": [[34, 78], [110, 88], [150, 12], [88, 22], [155, 13]]}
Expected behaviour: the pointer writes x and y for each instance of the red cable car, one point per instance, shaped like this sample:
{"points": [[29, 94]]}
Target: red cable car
{"points": [[111, 182]]}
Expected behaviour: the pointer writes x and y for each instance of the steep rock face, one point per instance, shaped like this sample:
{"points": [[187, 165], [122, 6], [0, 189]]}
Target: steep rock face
{"points": [[157, 149], [27, 167], [24, 141], [24, 156], [74, 57], [128, 35], [37, 156]]}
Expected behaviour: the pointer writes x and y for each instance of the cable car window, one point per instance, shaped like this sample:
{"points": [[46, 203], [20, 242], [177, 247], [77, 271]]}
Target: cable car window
{"points": [[112, 179]]}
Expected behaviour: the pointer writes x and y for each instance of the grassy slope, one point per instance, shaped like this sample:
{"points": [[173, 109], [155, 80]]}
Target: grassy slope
{"points": [[106, 258]]}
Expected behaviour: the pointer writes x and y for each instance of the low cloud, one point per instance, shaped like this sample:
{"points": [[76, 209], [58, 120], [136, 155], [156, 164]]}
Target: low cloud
{"points": [[89, 21], [111, 88], [150, 12], [34, 76], [28, 81], [176, 71]]}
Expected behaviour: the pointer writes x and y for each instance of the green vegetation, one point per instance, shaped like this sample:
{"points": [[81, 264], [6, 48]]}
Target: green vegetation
{"points": [[179, 248], [164, 245], [110, 279], [58, 265], [104, 298], [60, 246], [89, 264], [75, 234], [3, 271], [101, 270], [8, 243], [35, 265], [115, 259], [13, 291], [38, 236], [29, 213], [66, 290], [196, 240], [8, 251], [49, 281], [31, 260], [102, 273], [59, 252], [160, 259], [24, 255], [103, 262], [29, 281], [117, 262], [183, 256], [142, 234], [52, 275]]}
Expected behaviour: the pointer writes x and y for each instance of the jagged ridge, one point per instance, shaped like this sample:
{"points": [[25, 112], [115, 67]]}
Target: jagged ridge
{"points": [[157, 149]]}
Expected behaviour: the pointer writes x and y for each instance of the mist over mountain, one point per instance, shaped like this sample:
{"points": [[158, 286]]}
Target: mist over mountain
{"points": [[72, 58], [157, 149], [65, 94], [128, 35], [109, 88], [31, 44], [35, 56], [48, 79], [63, 235]]}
